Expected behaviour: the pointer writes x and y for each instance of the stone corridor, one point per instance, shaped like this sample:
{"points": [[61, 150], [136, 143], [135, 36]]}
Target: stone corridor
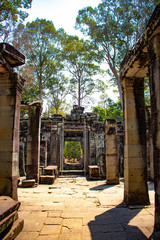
{"points": [[75, 208]]}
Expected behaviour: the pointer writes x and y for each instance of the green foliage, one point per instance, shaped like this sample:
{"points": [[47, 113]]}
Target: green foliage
{"points": [[39, 41], [146, 91], [72, 150], [30, 90], [112, 110], [114, 27], [63, 110], [52, 111], [11, 12], [79, 60], [58, 90]]}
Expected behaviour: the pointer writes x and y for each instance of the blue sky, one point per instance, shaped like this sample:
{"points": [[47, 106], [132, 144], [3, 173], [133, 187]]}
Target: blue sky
{"points": [[62, 12]]}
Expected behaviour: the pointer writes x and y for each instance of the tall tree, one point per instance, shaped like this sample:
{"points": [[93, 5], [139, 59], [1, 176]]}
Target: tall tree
{"points": [[58, 89], [42, 51], [79, 60], [11, 12], [114, 27], [21, 38]]}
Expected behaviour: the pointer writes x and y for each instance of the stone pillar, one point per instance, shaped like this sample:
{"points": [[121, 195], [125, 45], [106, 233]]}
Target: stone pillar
{"points": [[43, 153], [120, 143], [22, 159], [150, 166], [33, 141], [154, 74], [54, 148], [135, 160], [112, 166], [10, 100]]}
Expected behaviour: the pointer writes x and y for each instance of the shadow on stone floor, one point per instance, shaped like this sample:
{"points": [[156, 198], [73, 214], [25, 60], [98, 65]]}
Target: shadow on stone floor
{"points": [[101, 187], [114, 225]]}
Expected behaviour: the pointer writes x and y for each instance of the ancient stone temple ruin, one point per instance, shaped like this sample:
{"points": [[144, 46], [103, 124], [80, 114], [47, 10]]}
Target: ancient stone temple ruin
{"points": [[108, 149], [77, 127]]}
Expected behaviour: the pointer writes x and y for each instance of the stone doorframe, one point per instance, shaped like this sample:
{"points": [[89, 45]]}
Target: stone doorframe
{"points": [[83, 131]]}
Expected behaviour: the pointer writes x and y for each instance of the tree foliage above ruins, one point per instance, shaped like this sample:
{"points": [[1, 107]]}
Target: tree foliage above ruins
{"points": [[11, 12], [114, 26], [39, 41], [109, 110], [80, 61], [111, 28], [58, 90]]}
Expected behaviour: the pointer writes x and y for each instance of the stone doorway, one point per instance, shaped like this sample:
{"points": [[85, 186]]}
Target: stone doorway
{"points": [[73, 155], [73, 141]]}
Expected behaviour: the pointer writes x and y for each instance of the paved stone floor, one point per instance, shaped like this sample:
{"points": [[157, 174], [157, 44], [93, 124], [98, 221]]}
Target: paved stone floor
{"points": [[74, 208]]}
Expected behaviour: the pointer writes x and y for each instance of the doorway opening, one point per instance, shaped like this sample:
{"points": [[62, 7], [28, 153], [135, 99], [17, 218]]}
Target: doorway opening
{"points": [[73, 155]]}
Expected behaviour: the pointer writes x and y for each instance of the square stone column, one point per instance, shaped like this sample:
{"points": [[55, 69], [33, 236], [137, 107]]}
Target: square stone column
{"points": [[135, 160], [22, 159], [112, 165], [154, 75], [33, 141], [10, 101], [43, 153]]}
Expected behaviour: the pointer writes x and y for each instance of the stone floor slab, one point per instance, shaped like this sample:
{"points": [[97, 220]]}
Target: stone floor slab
{"points": [[47, 237], [77, 209], [50, 229], [54, 214], [53, 221], [34, 221], [27, 236], [71, 236]]}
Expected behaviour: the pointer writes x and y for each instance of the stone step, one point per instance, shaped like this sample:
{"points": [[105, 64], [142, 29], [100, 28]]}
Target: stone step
{"points": [[72, 172], [47, 179], [7, 206], [6, 222], [51, 170], [10, 225], [14, 230]]}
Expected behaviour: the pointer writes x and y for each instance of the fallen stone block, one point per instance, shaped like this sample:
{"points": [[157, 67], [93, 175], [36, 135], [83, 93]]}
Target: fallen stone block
{"points": [[47, 179], [51, 170], [94, 172], [28, 183]]}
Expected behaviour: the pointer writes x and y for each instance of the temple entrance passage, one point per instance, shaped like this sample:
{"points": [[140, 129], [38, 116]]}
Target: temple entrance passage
{"points": [[73, 148], [73, 155]]}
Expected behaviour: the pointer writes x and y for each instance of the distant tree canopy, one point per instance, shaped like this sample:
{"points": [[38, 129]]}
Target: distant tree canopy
{"points": [[57, 91], [114, 26], [39, 41], [11, 12], [112, 110], [72, 150], [80, 61], [58, 64]]}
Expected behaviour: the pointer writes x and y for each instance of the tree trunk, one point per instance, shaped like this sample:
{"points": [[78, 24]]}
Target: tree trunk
{"points": [[79, 92], [113, 69], [40, 91]]}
